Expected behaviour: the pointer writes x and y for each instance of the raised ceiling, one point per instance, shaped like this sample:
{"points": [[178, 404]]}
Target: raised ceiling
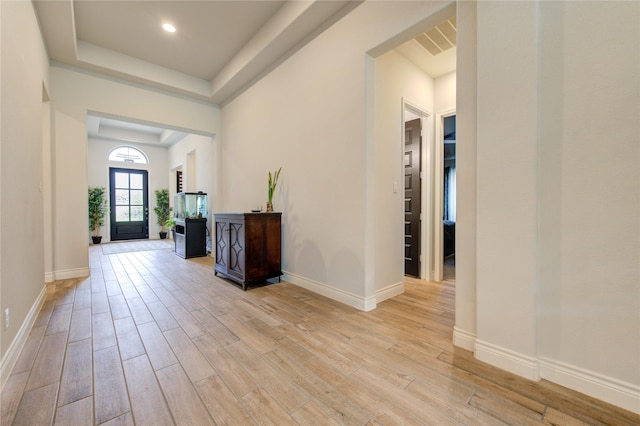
{"points": [[219, 48]]}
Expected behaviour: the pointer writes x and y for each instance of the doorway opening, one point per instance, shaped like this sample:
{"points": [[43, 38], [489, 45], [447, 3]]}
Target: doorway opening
{"points": [[412, 198], [449, 199], [418, 195]]}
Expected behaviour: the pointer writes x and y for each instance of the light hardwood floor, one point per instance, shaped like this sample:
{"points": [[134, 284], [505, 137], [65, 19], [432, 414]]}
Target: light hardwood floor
{"points": [[151, 338]]}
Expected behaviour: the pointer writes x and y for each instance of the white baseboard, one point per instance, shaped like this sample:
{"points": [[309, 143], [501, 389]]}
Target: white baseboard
{"points": [[49, 277], [66, 274], [464, 339], [390, 291], [365, 304], [11, 356], [330, 292], [608, 389], [506, 359]]}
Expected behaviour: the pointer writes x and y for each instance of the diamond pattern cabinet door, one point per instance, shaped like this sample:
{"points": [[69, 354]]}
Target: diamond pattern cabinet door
{"points": [[222, 242], [248, 246]]}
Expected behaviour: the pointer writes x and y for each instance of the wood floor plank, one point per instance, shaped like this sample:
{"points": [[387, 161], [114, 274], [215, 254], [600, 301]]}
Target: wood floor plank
{"points": [[82, 299], [453, 403], [157, 348], [99, 302], [119, 306], [76, 413], [48, 363], [276, 354], [222, 404], [110, 392], [287, 394], [508, 413], [11, 395], [555, 417], [336, 404], [104, 335], [37, 406], [363, 397], [77, 380], [60, 318], [182, 398], [195, 365], [30, 350], [162, 316], [265, 410], [80, 326], [231, 370], [245, 333], [166, 297], [311, 415], [129, 341], [187, 321], [215, 328], [124, 420], [147, 401], [139, 311], [401, 399]]}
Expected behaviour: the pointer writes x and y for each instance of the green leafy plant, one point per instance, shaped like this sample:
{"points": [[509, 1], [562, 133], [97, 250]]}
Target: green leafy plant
{"points": [[162, 210], [272, 182], [170, 224], [98, 208]]}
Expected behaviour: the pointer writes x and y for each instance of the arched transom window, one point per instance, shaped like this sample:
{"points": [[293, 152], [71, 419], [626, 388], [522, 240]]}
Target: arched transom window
{"points": [[128, 154]]}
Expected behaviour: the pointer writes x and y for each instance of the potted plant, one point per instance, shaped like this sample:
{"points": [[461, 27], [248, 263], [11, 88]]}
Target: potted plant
{"points": [[271, 184], [98, 208], [162, 210], [170, 224]]}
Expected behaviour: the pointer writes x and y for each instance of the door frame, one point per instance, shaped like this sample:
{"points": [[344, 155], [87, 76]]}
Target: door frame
{"points": [[146, 203], [439, 194], [426, 204]]}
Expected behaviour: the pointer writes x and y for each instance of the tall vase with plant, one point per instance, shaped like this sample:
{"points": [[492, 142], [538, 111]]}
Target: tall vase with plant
{"points": [[162, 210], [98, 208], [271, 184]]}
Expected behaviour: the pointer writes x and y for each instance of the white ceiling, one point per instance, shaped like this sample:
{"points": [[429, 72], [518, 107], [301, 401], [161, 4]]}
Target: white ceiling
{"points": [[219, 49]]}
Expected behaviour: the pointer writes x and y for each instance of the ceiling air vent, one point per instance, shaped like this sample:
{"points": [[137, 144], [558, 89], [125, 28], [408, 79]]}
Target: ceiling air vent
{"points": [[440, 38]]}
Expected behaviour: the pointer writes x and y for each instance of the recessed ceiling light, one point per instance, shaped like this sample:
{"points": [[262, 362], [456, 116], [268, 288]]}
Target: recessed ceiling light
{"points": [[169, 28]]}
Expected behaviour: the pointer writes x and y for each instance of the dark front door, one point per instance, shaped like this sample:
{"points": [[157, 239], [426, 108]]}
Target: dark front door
{"points": [[129, 204], [412, 139]]}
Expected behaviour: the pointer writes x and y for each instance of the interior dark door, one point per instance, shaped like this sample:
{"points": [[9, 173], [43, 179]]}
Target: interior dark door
{"points": [[129, 202], [412, 140]]}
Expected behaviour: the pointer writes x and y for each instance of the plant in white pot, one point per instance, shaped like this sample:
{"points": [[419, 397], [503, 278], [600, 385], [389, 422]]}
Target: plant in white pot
{"points": [[98, 208], [271, 188]]}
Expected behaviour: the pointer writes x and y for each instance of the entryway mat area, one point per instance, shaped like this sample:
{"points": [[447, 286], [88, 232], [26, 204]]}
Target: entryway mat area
{"points": [[137, 245]]}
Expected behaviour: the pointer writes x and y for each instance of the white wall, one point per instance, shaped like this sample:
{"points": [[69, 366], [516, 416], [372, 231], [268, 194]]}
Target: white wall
{"points": [[158, 175], [557, 235], [310, 115], [589, 191], [464, 334], [24, 73], [397, 79], [506, 184], [205, 149], [73, 94], [444, 93]]}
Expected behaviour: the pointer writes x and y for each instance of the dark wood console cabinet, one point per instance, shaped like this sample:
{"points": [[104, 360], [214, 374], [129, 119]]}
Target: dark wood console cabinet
{"points": [[248, 246]]}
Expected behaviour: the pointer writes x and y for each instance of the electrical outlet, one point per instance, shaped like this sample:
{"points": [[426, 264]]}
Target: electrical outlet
{"points": [[6, 318]]}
